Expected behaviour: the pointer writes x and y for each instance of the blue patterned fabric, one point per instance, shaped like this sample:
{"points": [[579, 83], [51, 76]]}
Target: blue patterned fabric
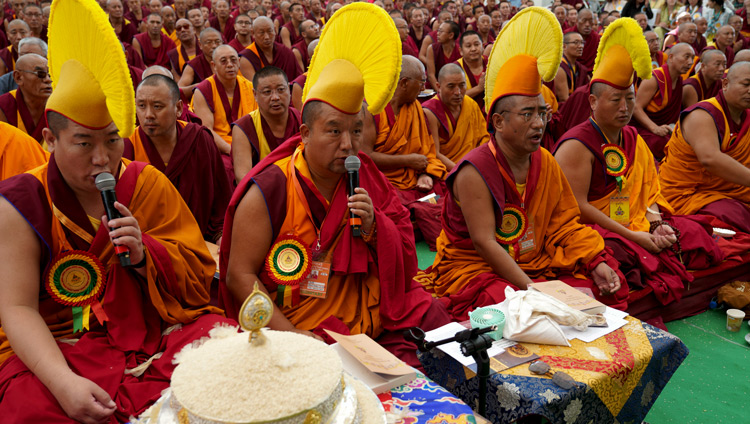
{"points": [[511, 397], [423, 401]]}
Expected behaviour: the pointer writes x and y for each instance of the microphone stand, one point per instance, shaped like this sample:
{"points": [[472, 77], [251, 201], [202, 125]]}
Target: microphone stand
{"points": [[474, 342]]}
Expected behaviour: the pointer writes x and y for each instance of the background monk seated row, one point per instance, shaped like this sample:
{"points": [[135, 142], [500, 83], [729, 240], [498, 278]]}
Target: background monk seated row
{"points": [[706, 83], [454, 119], [199, 68]]}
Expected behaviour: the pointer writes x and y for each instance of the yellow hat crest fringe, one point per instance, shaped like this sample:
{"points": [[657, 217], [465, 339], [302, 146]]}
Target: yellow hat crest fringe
{"points": [[622, 50]]}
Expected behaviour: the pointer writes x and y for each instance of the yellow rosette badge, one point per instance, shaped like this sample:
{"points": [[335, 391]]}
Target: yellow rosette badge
{"points": [[616, 162], [288, 264], [512, 227], [76, 278]]}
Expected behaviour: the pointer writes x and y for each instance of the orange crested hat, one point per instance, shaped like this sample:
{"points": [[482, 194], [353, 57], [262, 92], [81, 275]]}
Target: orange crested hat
{"points": [[91, 79], [527, 51], [622, 51], [358, 57]]}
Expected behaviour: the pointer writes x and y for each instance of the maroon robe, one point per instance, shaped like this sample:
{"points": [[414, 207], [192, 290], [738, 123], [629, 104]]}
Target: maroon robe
{"points": [[136, 75], [175, 54], [128, 31], [9, 56], [155, 56], [235, 43], [409, 47], [576, 74], [700, 43], [283, 58], [473, 80], [589, 48], [729, 53], [132, 57], [403, 303], [201, 68], [418, 41], [662, 273], [3, 39], [245, 123], [134, 328], [300, 80], [294, 37], [228, 33], [13, 106], [668, 114], [699, 84], [301, 47], [441, 59], [197, 171]]}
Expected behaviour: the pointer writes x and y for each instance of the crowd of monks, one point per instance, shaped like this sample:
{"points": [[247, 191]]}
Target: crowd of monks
{"points": [[244, 156]]}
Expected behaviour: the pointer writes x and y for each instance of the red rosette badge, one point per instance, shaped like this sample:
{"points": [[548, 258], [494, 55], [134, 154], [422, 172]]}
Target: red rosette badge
{"points": [[512, 227], [289, 261], [75, 278]]}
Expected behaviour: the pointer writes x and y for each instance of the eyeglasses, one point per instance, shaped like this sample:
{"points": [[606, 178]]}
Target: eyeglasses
{"points": [[422, 80], [182, 27], [38, 72], [528, 116], [577, 43]]}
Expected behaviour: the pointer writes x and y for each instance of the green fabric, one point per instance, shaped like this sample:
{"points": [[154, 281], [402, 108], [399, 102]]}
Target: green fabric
{"points": [[713, 384], [424, 256]]}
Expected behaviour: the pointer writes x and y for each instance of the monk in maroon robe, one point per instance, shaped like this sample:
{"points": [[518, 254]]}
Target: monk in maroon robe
{"points": [[222, 22], [706, 83], [199, 68], [24, 107], [658, 101], [153, 45], [265, 51], [585, 27], [289, 33], [723, 42], [310, 31], [445, 50]]}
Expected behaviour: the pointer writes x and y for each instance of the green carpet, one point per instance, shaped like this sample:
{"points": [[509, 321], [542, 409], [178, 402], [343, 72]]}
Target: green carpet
{"points": [[712, 386]]}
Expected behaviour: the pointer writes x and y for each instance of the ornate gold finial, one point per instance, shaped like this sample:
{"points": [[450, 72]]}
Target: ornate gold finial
{"points": [[313, 417], [255, 314]]}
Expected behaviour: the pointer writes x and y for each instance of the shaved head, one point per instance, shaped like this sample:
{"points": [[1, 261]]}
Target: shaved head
{"points": [[156, 70], [450, 69], [680, 48], [410, 66], [29, 60], [311, 47], [710, 54], [739, 71], [741, 56], [262, 20]]}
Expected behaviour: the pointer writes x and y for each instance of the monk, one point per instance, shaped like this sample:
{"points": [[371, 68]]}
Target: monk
{"points": [[243, 28], [289, 33], [259, 133], [265, 51], [63, 366], [742, 56], [243, 7], [124, 28], [444, 51], [186, 48], [658, 57], [723, 42], [310, 31], [418, 29], [169, 21], [17, 31], [221, 21], [432, 36], [406, 153], [18, 152], [195, 16], [298, 195], [298, 84], [211, 100], [199, 67], [153, 45], [687, 32], [659, 99], [180, 9], [24, 107], [572, 74], [706, 170], [509, 214], [706, 83], [474, 66], [184, 152], [316, 13], [283, 17], [408, 46], [455, 121], [187, 115], [643, 239], [585, 27], [32, 15]]}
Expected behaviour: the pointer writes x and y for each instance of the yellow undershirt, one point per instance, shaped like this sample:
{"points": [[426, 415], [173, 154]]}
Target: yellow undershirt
{"points": [[521, 188], [94, 222]]}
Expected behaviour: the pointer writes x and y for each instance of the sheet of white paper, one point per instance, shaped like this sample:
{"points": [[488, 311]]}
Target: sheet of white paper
{"points": [[615, 320], [453, 349]]}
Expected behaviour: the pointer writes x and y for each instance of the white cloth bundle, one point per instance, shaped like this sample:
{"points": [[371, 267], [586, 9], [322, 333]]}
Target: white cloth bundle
{"points": [[535, 317]]}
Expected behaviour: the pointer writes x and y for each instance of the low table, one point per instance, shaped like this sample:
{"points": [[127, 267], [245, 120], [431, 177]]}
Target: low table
{"points": [[619, 378], [423, 401]]}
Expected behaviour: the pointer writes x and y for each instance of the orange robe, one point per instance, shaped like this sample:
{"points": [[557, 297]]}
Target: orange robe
{"points": [[226, 111], [405, 134], [556, 244], [18, 152], [176, 290], [685, 182], [459, 136]]}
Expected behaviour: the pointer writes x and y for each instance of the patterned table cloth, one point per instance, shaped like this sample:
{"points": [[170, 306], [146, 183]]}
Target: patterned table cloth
{"points": [[422, 401], [619, 377]]}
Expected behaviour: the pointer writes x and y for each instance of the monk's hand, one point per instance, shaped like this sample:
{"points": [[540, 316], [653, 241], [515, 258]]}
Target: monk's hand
{"points": [[424, 182], [606, 279], [361, 205], [662, 130], [480, 83], [126, 232], [83, 400], [665, 236], [417, 161], [646, 241]]}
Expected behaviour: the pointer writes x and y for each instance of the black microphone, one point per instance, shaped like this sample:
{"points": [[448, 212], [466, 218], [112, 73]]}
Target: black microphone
{"points": [[352, 165], [105, 182]]}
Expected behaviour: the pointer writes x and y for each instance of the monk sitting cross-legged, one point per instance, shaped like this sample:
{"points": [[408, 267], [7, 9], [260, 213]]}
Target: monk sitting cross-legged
{"points": [[706, 170], [455, 120], [297, 201], [613, 176], [510, 215]]}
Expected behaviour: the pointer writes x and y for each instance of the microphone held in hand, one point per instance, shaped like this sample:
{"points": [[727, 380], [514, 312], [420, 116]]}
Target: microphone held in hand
{"points": [[105, 182], [352, 165]]}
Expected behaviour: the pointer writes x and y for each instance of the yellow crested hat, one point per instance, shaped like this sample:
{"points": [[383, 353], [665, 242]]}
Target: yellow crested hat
{"points": [[90, 76], [622, 50], [358, 57], [527, 51]]}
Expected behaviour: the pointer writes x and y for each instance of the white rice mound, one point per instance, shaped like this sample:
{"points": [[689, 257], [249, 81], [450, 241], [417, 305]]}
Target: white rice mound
{"points": [[228, 379], [369, 405]]}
